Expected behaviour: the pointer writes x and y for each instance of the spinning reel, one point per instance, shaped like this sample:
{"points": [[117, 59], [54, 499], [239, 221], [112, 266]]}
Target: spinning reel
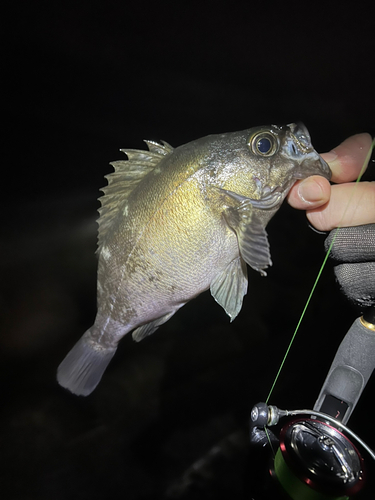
{"points": [[316, 458]]}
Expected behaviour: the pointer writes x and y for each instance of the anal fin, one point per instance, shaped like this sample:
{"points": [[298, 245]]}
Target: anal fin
{"points": [[145, 330], [229, 287]]}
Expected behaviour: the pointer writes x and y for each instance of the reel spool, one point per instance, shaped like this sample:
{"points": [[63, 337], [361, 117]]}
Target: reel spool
{"points": [[316, 461]]}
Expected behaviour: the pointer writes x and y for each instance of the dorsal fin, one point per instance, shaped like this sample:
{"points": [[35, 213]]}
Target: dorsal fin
{"points": [[127, 175]]}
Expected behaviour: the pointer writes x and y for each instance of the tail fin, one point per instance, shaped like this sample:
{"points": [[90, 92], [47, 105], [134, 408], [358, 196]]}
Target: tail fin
{"points": [[84, 365]]}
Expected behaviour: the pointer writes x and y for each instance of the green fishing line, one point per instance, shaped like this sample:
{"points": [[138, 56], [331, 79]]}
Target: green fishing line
{"points": [[269, 440], [321, 269]]}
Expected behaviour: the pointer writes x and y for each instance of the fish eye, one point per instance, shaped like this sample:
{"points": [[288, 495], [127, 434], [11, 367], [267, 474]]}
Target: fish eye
{"points": [[264, 144]]}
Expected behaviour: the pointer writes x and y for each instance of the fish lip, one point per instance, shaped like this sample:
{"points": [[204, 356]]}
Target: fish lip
{"points": [[313, 166], [276, 195]]}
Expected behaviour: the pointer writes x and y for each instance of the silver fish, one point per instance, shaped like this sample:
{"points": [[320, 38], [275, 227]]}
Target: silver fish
{"points": [[175, 222]]}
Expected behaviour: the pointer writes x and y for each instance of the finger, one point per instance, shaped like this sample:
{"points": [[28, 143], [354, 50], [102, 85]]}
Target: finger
{"points": [[310, 193], [349, 205], [347, 159], [346, 162]]}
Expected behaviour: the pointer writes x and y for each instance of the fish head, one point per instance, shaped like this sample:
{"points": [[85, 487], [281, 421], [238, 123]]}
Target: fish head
{"points": [[282, 155]]}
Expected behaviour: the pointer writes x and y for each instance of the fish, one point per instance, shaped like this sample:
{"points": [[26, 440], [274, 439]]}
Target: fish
{"points": [[175, 222]]}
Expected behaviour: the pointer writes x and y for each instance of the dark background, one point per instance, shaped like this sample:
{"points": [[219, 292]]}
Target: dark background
{"points": [[83, 80]]}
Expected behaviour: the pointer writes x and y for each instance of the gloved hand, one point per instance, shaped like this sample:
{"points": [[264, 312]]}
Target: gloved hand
{"points": [[354, 250]]}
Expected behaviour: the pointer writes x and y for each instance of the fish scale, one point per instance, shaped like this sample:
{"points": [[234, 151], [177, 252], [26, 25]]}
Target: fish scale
{"points": [[176, 222]]}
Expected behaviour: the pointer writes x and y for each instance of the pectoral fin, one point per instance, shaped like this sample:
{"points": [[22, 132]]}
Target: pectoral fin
{"points": [[251, 234], [229, 287], [145, 330]]}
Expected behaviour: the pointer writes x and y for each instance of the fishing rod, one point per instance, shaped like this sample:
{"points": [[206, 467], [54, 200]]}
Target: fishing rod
{"points": [[316, 457]]}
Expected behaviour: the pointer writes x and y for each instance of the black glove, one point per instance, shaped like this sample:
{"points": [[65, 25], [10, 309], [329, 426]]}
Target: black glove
{"points": [[354, 249]]}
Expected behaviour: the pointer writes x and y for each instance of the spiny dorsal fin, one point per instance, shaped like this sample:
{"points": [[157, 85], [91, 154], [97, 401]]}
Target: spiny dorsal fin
{"points": [[121, 182]]}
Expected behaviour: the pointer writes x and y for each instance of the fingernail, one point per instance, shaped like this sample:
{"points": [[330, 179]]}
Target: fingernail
{"points": [[310, 191]]}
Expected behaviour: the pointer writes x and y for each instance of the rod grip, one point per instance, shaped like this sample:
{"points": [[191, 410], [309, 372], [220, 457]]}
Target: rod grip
{"points": [[350, 370]]}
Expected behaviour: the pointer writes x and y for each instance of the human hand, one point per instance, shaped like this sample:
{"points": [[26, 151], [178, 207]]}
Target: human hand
{"points": [[353, 253], [326, 205]]}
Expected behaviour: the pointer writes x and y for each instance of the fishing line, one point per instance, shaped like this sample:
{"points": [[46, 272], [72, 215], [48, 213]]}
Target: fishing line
{"points": [[269, 440], [321, 268]]}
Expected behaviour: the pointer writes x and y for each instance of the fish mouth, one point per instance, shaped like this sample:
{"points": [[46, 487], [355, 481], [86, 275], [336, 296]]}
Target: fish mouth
{"points": [[298, 146], [313, 164], [271, 197]]}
